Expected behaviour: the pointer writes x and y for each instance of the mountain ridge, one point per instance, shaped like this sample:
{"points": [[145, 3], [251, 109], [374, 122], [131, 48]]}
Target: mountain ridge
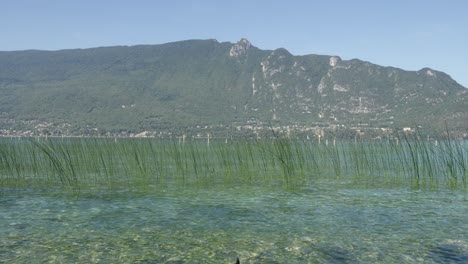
{"points": [[179, 86]]}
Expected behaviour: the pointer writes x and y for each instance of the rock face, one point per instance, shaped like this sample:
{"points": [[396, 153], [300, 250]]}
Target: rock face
{"points": [[199, 83], [240, 48]]}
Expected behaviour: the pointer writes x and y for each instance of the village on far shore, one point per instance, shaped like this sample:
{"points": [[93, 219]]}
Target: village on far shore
{"points": [[253, 130]]}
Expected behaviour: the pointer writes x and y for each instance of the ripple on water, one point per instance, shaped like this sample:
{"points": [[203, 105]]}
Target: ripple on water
{"points": [[258, 225]]}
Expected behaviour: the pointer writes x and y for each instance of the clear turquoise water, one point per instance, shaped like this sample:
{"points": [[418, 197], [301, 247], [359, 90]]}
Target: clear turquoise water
{"points": [[331, 223]]}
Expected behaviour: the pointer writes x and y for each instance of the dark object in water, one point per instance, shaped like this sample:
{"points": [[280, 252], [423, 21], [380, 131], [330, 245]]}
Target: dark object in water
{"points": [[449, 253], [237, 262]]}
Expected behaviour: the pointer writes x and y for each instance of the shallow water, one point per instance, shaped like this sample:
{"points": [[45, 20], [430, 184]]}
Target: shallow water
{"points": [[332, 223]]}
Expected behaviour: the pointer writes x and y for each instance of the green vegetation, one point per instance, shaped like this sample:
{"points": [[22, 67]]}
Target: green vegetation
{"points": [[89, 163]]}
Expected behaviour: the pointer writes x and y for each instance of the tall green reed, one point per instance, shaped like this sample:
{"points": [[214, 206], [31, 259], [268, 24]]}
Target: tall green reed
{"points": [[149, 163]]}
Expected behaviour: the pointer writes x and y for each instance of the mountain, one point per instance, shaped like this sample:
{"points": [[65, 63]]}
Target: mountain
{"points": [[198, 86]]}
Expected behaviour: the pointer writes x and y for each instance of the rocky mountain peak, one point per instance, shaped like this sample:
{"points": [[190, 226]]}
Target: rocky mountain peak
{"points": [[240, 48], [334, 60]]}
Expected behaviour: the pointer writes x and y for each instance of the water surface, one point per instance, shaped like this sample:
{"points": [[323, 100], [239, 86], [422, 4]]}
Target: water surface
{"points": [[332, 223]]}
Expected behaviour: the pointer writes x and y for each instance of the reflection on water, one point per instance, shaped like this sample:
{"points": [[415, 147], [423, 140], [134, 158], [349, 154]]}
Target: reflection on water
{"points": [[330, 224]]}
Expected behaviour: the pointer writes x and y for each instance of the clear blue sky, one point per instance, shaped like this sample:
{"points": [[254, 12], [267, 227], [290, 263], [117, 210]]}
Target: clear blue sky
{"points": [[409, 34]]}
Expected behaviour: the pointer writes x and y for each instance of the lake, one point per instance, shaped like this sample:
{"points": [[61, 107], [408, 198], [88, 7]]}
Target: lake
{"points": [[145, 201], [331, 223]]}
